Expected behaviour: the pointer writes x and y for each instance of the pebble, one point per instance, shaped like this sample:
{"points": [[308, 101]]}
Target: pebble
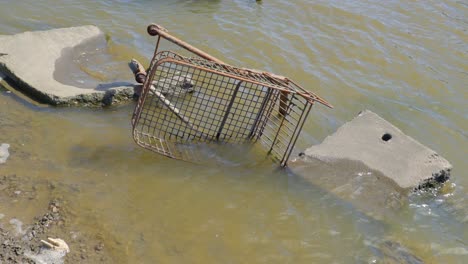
{"points": [[99, 247]]}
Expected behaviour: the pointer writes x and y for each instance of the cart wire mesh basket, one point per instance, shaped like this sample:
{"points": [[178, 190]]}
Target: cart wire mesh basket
{"points": [[187, 103]]}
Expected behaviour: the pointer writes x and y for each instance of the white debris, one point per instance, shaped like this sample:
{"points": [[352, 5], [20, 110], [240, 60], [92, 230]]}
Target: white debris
{"points": [[52, 252], [56, 244], [4, 154]]}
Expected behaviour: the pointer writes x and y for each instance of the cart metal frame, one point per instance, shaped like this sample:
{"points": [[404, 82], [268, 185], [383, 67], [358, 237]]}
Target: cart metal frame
{"points": [[201, 100]]}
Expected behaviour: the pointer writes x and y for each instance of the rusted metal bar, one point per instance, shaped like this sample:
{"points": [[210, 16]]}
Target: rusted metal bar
{"points": [[283, 91], [315, 97], [283, 103], [260, 112], [295, 134], [175, 110], [157, 30], [228, 110], [283, 120]]}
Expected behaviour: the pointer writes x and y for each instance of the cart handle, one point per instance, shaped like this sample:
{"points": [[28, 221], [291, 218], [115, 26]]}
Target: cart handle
{"points": [[157, 30]]}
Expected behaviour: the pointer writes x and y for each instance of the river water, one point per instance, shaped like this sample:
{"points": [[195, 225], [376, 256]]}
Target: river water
{"points": [[405, 60]]}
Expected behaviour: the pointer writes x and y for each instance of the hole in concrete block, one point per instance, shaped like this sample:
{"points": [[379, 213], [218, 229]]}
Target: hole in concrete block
{"points": [[386, 137]]}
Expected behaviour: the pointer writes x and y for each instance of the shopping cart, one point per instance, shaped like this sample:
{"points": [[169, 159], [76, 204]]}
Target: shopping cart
{"points": [[198, 101]]}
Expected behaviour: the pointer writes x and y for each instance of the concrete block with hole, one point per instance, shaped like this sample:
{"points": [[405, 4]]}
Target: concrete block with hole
{"points": [[370, 139]]}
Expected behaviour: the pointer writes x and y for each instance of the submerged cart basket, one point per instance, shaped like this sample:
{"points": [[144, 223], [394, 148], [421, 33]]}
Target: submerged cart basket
{"points": [[188, 103]]}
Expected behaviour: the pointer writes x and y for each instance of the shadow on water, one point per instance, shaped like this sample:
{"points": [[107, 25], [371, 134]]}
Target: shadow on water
{"points": [[8, 86], [107, 86], [385, 214], [372, 202]]}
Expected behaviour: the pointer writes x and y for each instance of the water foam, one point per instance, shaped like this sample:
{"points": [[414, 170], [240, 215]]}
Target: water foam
{"points": [[4, 154]]}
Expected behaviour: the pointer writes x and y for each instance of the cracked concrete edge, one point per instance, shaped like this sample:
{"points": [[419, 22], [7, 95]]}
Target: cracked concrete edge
{"points": [[112, 96]]}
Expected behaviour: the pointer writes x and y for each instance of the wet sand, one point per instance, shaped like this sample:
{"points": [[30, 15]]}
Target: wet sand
{"points": [[21, 241]]}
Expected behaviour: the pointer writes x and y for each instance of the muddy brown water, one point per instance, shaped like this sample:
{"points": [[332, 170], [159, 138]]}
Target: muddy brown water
{"points": [[405, 60]]}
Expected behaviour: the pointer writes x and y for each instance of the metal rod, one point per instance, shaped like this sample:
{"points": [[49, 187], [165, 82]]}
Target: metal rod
{"points": [[260, 113], [283, 103], [174, 109], [315, 97], [157, 46], [228, 110], [157, 30], [283, 119], [296, 134], [267, 116], [243, 78]]}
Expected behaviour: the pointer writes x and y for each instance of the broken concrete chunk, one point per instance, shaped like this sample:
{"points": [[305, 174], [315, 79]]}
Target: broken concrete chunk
{"points": [[381, 146], [29, 59]]}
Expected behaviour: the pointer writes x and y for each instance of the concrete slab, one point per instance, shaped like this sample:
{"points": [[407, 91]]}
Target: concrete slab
{"points": [[29, 59], [384, 148]]}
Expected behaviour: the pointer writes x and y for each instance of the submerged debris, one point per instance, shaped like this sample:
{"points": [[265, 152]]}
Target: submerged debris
{"points": [[56, 244]]}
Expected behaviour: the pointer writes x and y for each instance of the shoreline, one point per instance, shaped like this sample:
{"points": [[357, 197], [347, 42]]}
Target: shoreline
{"points": [[21, 242]]}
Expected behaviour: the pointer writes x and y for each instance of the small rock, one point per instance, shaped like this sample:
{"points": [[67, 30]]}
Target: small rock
{"points": [[52, 185], [99, 247]]}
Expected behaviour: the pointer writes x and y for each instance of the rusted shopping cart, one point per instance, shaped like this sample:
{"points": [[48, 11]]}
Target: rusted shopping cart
{"points": [[188, 102]]}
